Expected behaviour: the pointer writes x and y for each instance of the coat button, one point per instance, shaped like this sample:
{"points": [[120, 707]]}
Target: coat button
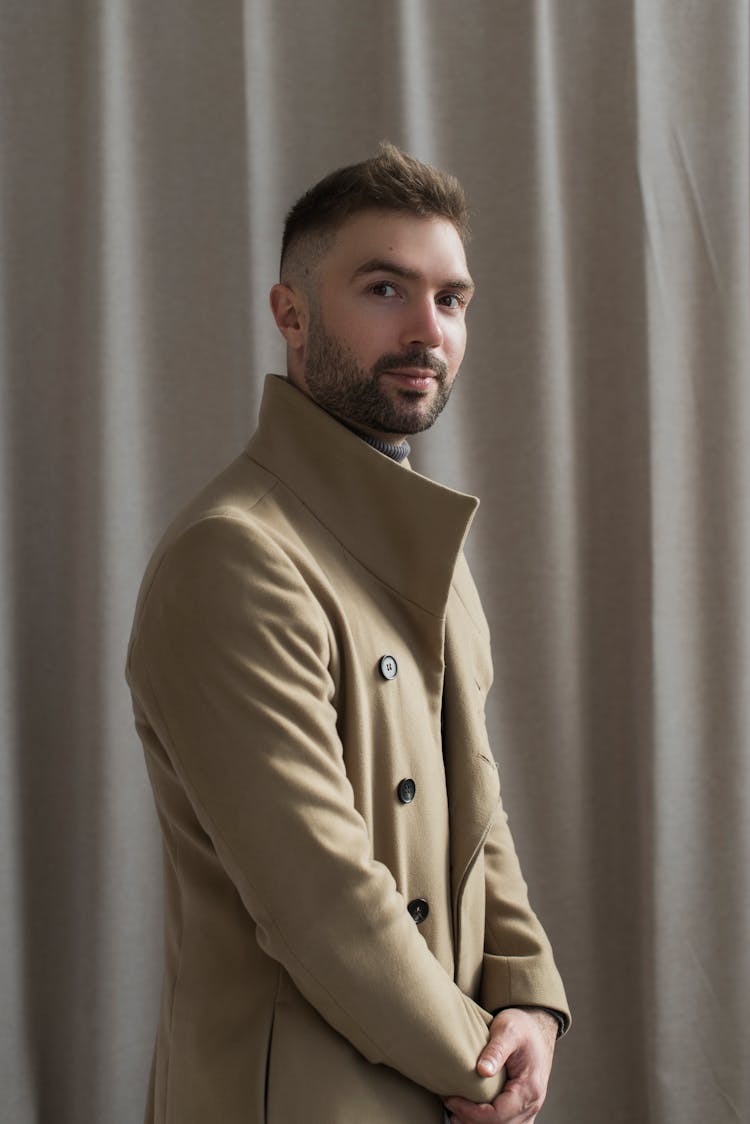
{"points": [[419, 909], [407, 790], [388, 667]]}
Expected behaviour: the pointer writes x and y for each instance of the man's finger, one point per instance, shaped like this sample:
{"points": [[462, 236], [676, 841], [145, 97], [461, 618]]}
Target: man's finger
{"points": [[514, 1106], [490, 1062], [494, 1056], [466, 1112]]}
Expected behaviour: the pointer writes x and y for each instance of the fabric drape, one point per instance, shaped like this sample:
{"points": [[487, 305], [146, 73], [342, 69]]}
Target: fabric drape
{"points": [[147, 156]]}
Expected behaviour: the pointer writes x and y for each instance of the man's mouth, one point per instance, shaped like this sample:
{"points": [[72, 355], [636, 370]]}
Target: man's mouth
{"points": [[415, 370], [414, 378]]}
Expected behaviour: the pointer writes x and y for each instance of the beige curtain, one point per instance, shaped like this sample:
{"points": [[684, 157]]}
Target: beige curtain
{"points": [[149, 151]]}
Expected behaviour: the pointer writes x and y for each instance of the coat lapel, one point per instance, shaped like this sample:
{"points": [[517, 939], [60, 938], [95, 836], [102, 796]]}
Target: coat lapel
{"points": [[404, 528]]}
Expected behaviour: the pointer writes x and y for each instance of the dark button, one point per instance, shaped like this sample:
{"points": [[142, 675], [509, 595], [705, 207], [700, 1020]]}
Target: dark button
{"points": [[419, 909], [388, 667], [407, 790]]}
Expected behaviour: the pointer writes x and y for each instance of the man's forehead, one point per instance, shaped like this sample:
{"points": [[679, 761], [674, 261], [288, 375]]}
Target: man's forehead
{"points": [[372, 240]]}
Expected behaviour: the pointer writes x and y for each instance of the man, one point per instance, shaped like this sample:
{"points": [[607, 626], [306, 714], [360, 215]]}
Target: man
{"points": [[348, 938]]}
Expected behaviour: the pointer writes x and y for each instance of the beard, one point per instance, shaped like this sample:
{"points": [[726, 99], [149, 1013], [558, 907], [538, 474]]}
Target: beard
{"points": [[354, 394]]}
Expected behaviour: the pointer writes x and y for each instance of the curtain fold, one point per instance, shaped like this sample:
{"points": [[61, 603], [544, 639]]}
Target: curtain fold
{"points": [[148, 154]]}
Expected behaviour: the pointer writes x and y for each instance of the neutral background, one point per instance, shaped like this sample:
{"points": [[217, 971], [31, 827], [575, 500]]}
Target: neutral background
{"points": [[149, 151]]}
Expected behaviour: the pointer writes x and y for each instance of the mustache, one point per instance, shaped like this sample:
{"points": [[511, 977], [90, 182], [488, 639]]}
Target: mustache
{"points": [[414, 358]]}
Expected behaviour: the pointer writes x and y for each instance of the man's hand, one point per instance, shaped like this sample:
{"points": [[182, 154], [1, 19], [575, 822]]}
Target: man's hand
{"points": [[524, 1042]]}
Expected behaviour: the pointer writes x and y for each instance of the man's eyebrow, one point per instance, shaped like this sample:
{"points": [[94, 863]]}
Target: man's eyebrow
{"points": [[386, 265]]}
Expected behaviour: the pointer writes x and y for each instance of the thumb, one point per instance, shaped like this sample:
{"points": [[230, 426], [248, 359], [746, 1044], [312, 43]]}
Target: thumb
{"points": [[492, 1057]]}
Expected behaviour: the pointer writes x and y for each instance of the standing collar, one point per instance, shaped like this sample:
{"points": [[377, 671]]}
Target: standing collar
{"points": [[404, 528]]}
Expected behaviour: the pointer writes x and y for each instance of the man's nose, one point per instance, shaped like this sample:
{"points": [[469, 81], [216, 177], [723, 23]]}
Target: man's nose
{"points": [[421, 325]]}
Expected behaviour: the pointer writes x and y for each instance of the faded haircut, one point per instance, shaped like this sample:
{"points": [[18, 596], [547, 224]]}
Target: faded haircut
{"points": [[391, 181]]}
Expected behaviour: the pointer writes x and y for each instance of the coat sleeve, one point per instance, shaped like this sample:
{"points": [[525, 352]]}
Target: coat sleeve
{"points": [[518, 968], [230, 663]]}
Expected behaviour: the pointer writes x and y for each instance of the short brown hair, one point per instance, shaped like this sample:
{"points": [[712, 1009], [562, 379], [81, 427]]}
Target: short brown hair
{"points": [[391, 181]]}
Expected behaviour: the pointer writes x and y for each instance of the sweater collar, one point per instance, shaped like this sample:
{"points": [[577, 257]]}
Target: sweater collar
{"points": [[404, 528], [397, 453]]}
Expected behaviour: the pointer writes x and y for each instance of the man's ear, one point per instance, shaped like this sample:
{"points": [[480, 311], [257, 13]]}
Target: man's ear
{"points": [[289, 308]]}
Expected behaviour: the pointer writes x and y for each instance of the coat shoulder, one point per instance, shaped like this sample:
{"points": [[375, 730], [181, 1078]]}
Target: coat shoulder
{"points": [[231, 544]]}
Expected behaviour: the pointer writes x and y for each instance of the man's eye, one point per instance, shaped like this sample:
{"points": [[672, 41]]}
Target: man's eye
{"points": [[384, 289], [451, 300]]}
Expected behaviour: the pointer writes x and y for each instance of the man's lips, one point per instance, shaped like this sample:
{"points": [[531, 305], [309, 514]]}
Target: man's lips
{"points": [[416, 378]]}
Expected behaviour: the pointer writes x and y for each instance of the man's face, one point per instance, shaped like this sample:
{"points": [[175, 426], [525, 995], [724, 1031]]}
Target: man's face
{"points": [[387, 329]]}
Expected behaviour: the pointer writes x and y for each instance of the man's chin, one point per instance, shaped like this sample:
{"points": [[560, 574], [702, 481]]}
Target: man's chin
{"points": [[408, 425], [411, 411]]}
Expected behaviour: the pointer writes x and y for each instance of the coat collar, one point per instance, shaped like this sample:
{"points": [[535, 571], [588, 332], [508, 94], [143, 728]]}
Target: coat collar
{"points": [[404, 528]]}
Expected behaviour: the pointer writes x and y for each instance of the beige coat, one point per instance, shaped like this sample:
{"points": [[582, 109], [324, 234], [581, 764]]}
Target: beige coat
{"points": [[298, 987]]}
